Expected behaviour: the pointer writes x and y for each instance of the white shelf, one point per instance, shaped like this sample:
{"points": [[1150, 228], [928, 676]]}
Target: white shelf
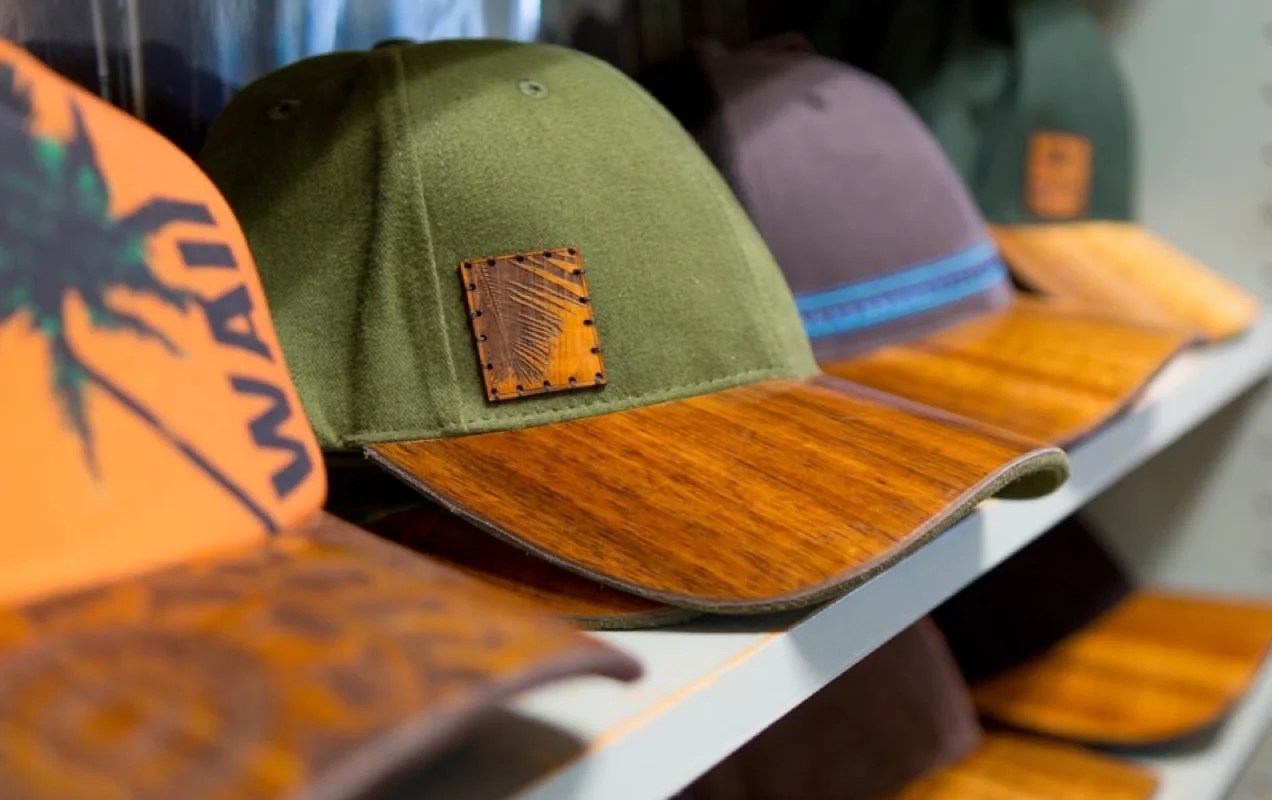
{"points": [[1207, 771], [713, 684]]}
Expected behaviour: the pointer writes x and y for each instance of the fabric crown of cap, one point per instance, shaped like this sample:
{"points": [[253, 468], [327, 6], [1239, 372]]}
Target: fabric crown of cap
{"points": [[888, 242], [365, 181]]}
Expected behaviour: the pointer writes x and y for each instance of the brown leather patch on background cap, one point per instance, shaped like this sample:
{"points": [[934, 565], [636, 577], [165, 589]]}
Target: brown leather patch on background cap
{"points": [[1058, 178], [532, 320]]}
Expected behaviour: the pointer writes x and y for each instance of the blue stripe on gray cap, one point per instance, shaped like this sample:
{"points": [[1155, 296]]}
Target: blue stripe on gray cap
{"points": [[905, 293]]}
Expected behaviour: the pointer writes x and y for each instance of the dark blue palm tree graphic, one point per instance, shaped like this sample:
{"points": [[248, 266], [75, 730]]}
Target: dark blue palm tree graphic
{"points": [[58, 239]]}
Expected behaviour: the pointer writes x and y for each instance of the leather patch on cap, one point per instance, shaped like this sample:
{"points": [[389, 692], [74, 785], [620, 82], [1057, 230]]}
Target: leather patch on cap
{"points": [[1058, 179], [532, 321]]}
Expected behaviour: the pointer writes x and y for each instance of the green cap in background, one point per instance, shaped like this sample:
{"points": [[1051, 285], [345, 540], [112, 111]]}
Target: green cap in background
{"points": [[1063, 91], [512, 278], [991, 76], [1027, 99]]}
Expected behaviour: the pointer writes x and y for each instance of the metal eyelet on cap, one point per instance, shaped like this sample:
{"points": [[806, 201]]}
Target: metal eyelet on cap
{"points": [[532, 88], [283, 110]]}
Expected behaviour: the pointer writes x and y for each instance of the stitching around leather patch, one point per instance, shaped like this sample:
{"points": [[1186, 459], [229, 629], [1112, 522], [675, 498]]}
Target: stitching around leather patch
{"points": [[1058, 175], [532, 322]]}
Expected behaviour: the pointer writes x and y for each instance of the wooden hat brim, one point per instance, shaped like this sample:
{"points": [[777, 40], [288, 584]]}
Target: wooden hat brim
{"points": [[757, 498], [1157, 667], [1010, 766], [444, 537], [1121, 269], [1031, 368]]}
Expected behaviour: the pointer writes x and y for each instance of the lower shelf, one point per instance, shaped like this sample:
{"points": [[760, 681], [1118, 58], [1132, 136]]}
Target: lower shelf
{"points": [[713, 684], [1206, 770]]}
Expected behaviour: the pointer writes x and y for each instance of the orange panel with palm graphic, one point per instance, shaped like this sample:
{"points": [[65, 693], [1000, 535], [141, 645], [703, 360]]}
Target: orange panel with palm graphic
{"points": [[162, 413]]}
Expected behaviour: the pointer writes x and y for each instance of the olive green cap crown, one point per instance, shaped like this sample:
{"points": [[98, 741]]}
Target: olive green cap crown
{"points": [[363, 180]]}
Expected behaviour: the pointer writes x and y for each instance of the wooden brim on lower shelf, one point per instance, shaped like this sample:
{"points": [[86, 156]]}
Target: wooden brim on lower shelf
{"points": [[1010, 766], [1157, 667]]}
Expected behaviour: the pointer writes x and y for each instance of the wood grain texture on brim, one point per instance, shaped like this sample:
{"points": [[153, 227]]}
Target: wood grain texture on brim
{"points": [[1122, 270], [545, 587], [1011, 766], [1155, 668], [317, 665], [1030, 368], [756, 498]]}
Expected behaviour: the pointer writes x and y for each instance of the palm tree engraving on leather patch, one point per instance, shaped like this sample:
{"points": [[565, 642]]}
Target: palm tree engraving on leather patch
{"points": [[533, 324]]}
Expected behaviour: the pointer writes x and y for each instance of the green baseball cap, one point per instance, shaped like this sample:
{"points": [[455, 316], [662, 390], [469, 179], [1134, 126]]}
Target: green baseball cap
{"points": [[1028, 101], [509, 277], [998, 83]]}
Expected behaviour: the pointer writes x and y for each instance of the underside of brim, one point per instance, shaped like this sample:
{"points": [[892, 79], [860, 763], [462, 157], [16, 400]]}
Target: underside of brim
{"points": [[1122, 270], [319, 664], [1012, 766], [757, 498], [444, 537], [1156, 668], [1030, 368]]}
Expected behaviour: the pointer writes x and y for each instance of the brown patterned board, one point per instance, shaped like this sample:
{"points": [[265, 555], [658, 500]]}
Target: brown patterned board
{"points": [[1157, 667], [1017, 767], [314, 666], [1123, 271], [429, 529], [532, 322], [773, 495], [1058, 175], [1032, 369]]}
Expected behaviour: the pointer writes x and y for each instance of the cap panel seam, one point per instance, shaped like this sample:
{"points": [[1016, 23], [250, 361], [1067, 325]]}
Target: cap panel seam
{"points": [[713, 182], [401, 134]]}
